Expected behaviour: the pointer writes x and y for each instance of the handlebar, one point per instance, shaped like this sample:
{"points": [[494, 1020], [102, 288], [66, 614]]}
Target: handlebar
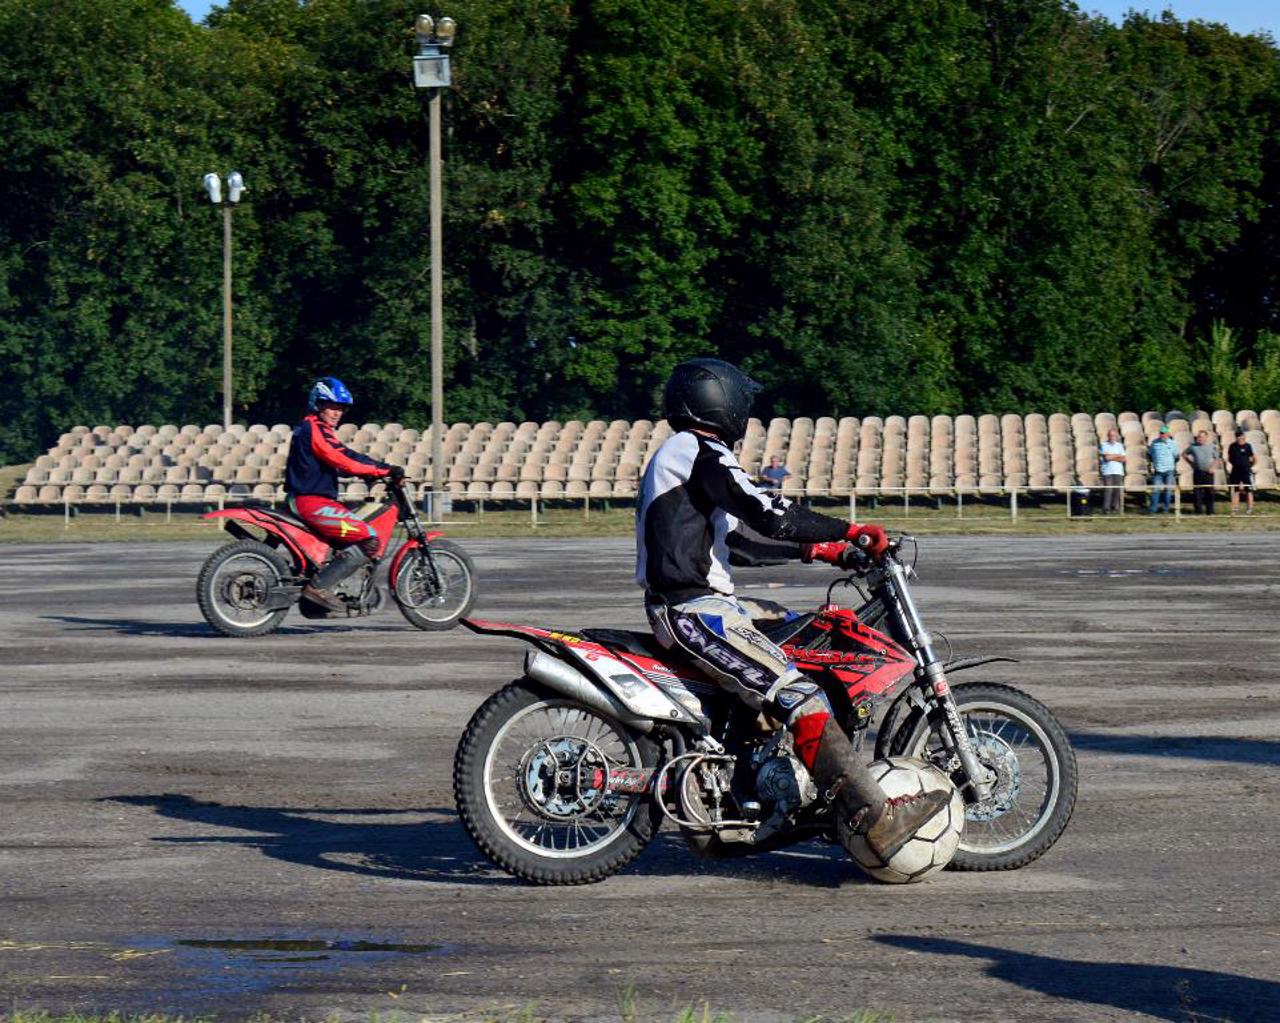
{"points": [[857, 560]]}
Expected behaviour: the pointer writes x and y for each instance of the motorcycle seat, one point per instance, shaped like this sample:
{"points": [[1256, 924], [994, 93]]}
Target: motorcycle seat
{"points": [[779, 631], [284, 516]]}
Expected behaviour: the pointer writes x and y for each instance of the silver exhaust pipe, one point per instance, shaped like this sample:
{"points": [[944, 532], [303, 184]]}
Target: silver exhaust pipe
{"points": [[569, 681]]}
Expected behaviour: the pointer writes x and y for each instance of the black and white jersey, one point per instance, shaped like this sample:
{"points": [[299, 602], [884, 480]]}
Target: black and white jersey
{"points": [[695, 500]]}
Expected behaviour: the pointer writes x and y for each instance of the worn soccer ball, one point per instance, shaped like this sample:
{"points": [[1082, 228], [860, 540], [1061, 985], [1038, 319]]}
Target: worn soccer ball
{"points": [[933, 845]]}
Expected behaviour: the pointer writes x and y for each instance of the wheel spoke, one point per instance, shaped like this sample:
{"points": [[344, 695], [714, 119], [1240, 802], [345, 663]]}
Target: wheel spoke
{"points": [[539, 782], [1012, 745]]}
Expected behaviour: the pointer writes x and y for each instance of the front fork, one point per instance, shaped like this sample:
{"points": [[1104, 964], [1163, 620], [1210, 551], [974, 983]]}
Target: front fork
{"points": [[929, 672], [413, 527]]}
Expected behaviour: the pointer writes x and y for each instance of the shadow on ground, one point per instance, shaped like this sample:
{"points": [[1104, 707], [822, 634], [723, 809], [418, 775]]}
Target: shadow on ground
{"points": [[1193, 747], [1179, 994], [191, 630], [437, 849]]}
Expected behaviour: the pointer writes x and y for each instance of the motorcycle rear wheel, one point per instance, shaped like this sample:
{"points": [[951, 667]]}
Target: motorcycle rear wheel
{"points": [[430, 607], [233, 585], [1035, 793], [518, 778]]}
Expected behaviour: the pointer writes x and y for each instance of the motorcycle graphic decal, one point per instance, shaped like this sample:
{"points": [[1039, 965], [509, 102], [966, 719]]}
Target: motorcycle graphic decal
{"points": [[639, 695]]}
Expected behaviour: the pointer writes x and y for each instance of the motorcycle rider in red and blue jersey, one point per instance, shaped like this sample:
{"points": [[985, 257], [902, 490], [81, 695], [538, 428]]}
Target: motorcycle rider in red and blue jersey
{"points": [[698, 512], [316, 459]]}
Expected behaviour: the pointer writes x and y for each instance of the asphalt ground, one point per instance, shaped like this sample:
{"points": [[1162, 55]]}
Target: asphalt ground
{"points": [[202, 825]]}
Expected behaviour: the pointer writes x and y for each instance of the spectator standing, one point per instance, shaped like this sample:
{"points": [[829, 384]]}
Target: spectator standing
{"points": [[1204, 459], [773, 477], [1241, 459], [1111, 454], [1164, 465]]}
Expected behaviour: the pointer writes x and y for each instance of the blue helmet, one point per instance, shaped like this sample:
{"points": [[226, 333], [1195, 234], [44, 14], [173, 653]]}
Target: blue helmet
{"points": [[328, 389]]}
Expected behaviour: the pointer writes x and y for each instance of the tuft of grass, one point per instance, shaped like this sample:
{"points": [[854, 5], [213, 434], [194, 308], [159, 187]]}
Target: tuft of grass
{"points": [[628, 1012]]}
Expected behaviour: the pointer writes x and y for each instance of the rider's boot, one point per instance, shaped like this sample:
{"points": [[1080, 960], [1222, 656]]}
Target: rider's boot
{"points": [[340, 566], [862, 807]]}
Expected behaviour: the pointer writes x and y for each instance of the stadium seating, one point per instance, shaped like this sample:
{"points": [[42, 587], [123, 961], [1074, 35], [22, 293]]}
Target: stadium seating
{"points": [[979, 455]]}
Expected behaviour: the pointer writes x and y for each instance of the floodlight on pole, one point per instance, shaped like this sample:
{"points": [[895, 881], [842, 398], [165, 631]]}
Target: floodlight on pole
{"points": [[213, 185], [235, 187], [431, 71]]}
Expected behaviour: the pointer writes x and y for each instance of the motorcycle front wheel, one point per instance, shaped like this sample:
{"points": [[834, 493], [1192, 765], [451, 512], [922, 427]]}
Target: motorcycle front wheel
{"points": [[527, 780], [434, 600], [233, 586], [1034, 795]]}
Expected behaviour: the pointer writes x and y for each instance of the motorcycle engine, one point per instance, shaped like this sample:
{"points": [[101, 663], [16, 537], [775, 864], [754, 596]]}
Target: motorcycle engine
{"points": [[782, 781]]}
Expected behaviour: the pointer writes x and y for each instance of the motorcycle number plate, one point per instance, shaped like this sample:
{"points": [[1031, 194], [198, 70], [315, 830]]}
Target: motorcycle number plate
{"points": [[638, 695]]}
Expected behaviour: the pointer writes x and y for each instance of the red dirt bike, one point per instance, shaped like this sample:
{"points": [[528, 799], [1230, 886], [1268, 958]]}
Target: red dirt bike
{"points": [[564, 775], [246, 587]]}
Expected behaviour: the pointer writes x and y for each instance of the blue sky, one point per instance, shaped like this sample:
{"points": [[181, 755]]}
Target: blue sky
{"points": [[1242, 15]]}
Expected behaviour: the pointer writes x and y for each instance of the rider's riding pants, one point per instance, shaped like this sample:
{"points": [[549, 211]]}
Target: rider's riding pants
{"points": [[717, 633], [341, 527]]}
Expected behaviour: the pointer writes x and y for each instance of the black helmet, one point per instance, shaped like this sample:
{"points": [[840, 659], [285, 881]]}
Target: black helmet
{"points": [[712, 394]]}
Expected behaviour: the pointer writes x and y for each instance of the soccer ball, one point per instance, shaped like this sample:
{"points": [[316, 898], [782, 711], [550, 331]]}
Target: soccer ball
{"points": [[933, 845]]}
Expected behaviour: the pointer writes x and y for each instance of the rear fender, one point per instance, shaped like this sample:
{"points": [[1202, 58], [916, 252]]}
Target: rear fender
{"points": [[305, 548], [570, 662]]}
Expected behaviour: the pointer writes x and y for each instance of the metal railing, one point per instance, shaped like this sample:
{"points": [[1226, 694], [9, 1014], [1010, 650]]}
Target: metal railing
{"points": [[1077, 502]]}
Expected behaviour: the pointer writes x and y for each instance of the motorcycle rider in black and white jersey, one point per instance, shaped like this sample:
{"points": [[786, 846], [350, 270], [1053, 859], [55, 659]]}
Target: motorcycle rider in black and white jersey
{"points": [[694, 501]]}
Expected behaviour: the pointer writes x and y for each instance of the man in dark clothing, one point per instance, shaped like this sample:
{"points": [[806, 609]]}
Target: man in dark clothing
{"points": [[694, 499], [1241, 460], [316, 458]]}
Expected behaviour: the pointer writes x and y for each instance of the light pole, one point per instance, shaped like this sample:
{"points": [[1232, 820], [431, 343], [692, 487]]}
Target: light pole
{"points": [[235, 185], [431, 71]]}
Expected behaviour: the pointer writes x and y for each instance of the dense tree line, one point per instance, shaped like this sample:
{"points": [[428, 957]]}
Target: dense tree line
{"points": [[894, 205]]}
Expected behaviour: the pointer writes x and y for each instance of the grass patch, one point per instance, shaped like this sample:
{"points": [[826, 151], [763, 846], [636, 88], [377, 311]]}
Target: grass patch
{"points": [[10, 477], [973, 518]]}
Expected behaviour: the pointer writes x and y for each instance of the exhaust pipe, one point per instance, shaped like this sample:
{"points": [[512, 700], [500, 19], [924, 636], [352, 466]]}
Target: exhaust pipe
{"points": [[569, 681]]}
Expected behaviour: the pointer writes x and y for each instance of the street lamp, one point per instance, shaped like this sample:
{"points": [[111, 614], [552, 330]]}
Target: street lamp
{"points": [[431, 71], [235, 186]]}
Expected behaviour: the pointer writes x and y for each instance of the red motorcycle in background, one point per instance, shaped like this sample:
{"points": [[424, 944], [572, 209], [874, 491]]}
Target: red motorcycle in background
{"points": [[564, 775], [246, 587]]}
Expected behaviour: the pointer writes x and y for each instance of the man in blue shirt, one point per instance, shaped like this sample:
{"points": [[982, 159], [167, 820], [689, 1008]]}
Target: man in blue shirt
{"points": [[773, 476], [1164, 464]]}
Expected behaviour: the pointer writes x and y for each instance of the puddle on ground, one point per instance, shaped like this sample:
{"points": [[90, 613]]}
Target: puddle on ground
{"points": [[301, 950], [1125, 573], [218, 968]]}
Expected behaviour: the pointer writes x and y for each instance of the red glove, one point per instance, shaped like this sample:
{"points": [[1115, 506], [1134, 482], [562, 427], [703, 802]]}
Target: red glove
{"points": [[875, 544], [831, 552]]}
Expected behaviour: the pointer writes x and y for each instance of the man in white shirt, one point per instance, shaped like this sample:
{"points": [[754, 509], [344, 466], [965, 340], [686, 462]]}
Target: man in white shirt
{"points": [[1111, 455]]}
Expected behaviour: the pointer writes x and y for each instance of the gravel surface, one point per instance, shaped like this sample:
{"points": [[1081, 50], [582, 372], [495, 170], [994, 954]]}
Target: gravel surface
{"points": [[203, 825]]}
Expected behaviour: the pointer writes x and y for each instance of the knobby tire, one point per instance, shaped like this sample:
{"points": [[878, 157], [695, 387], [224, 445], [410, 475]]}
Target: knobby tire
{"points": [[475, 811]]}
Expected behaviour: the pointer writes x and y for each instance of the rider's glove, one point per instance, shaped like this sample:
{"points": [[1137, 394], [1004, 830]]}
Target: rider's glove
{"points": [[875, 544], [831, 552], [396, 473]]}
